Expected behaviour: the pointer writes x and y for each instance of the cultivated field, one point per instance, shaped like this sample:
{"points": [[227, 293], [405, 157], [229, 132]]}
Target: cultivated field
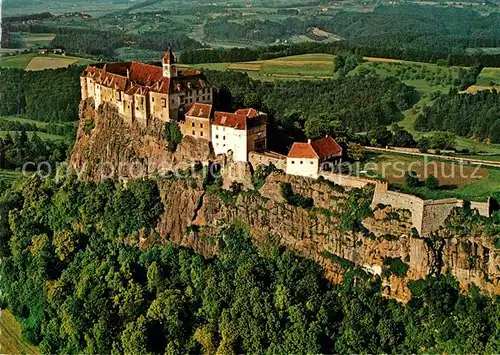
{"points": [[37, 40], [10, 339], [35, 61], [41, 63], [466, 182]]}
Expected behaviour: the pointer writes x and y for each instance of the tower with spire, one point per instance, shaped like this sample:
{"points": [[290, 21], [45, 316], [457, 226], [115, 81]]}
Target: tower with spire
{"points": [[169, 64]]}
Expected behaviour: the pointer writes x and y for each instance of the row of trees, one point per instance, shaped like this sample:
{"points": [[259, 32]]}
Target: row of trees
{"points": [[365, 48], [59, 129], [76, 284]]}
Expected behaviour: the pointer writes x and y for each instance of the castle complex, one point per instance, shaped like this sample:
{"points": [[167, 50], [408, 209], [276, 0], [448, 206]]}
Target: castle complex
{"points": [[145, 93], [142, 92]]}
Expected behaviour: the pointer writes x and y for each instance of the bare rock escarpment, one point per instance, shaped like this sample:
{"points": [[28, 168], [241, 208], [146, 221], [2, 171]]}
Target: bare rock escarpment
{"points": [[108, 147]]}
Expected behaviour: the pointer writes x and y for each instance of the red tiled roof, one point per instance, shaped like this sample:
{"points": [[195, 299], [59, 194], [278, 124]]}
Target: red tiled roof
{"points": [[145, 74], [232, 120], [323, 148], [200, 110], [302, 150], [326, 147], [128, 76], [190, 72], [249, 112]]}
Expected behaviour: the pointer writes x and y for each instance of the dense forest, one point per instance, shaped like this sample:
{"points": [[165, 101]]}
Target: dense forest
{"points": [[467, 115], [19, 149], [315, 108], [77, 283], [48, 95]]}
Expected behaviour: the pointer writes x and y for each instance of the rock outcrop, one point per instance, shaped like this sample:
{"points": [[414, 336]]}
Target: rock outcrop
{"points": [[193, 216], [382, 242], [107, 147]]}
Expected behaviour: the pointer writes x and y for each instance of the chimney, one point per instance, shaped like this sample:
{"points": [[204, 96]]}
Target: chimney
{"points": [[326, 136], [128, 74], [309, 141]]}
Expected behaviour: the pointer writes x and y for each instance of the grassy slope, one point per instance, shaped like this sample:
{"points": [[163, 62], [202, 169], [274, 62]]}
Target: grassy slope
{"points": [[18, 61], [10, 339]]}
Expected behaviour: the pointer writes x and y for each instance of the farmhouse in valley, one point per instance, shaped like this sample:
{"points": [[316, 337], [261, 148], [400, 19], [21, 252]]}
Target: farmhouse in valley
{"points": [[142, 91], [308, 159]]}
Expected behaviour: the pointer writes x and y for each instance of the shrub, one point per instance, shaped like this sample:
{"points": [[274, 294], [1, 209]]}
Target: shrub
{"points": [[293, 198], [396, 267], [411, 179], [172, 135], [432, 183]]}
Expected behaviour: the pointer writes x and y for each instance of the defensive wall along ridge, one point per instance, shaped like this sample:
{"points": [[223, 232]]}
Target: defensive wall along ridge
{"points": [[427, 215]]}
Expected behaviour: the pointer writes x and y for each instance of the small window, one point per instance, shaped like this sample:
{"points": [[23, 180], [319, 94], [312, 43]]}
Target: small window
{"points": [[293, 161], [194, 133], [153, 99], [223, 137], [203, 98], [216, 136], [201, 125], [192, 124], [301, 162], [312, 163], [163, 103], [201, 134]]}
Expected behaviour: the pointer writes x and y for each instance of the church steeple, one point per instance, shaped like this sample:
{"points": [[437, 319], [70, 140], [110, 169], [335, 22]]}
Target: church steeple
{"points": [[169, 64]]}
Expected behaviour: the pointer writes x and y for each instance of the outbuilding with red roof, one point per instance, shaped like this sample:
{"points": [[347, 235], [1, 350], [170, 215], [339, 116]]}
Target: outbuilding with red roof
{"points": [[307, 159]]}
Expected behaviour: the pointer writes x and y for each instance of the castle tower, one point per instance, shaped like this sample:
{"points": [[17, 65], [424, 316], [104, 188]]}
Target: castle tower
{"points": [[169, 65]]}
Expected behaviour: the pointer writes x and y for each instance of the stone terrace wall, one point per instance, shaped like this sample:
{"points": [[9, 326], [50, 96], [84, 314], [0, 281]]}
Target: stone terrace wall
{"points": [[434, 213]]}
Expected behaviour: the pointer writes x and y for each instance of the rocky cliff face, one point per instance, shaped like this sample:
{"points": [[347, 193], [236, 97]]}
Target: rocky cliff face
{"points": [[107, 147], [382, 243]]}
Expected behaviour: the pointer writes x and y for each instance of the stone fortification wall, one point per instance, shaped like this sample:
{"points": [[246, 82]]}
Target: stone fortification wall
{"points": [[427, 215], [267, 158], [347, 180], [484, 208]]}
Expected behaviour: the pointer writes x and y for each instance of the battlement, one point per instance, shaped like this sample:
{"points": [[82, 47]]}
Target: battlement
{"points": [[427, 215]]}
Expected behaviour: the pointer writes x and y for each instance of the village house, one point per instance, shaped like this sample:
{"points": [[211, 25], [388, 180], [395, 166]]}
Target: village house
{"points": [[308, 159], [142, 92], [240, 132]]}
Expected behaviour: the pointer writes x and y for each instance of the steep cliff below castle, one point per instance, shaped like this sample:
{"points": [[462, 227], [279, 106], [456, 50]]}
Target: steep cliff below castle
{"points": [[383, 243], [340, 231], [108, 147]]}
